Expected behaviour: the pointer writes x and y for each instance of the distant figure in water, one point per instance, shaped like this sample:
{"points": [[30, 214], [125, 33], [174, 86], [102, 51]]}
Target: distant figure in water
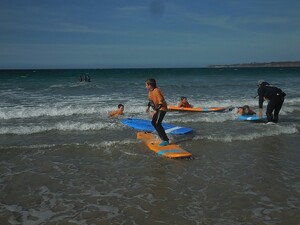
{"points": [[245, 110], [118, 112], [184, 103], [85, 78]]}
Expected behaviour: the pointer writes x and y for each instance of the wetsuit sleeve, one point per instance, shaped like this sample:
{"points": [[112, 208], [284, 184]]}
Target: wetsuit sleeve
{"points": [[260, 97]]}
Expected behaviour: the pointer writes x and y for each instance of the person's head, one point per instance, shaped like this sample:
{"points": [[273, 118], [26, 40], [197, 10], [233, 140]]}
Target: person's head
{"points": [[121, 107], [261, 83], [150, 84], [183, 99], [246, 109]]}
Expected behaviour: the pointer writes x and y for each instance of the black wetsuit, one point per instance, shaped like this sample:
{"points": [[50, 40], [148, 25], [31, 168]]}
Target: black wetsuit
{"points": [[157, 119], [157, 124], [276, 98]]}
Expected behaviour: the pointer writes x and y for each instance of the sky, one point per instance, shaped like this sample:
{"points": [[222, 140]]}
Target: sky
{"points": [[64, 34]]}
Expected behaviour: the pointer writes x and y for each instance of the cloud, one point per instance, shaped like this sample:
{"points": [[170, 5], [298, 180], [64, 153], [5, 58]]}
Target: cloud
{"points": [[206, 20], [61, 27], [132, 9], [155, 8], [261, 20], [238, 23]]}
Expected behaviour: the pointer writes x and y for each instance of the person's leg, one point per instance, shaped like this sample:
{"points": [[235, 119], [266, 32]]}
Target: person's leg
{"points": [[270, 108], [154, 119], [277, 109], [269, 115], [156, 122]]}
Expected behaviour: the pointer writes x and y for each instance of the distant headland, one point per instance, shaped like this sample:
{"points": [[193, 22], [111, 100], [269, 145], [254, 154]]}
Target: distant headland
{"points": [[264, 64]]}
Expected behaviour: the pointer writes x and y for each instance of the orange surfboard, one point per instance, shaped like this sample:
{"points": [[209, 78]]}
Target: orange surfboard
{"points": [[210, 109], [170, 151]]}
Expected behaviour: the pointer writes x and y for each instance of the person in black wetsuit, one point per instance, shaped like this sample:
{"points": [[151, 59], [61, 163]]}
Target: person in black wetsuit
{"points": [[274, 95]]}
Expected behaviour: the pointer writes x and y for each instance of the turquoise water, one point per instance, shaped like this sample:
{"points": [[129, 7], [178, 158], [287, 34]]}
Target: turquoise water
{"points": [[64, 161]]}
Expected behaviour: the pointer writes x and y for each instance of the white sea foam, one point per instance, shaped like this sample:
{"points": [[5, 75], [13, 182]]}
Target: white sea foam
{"points": [[273, 130], [63, 109], [43, 110], [29, 216], [94, 105], [207, 117], [41, 148], [61, 126], [108, 144]]}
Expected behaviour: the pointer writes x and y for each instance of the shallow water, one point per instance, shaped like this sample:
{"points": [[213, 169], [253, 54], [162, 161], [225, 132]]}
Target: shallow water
{"points": [[232, 183], [63, 161]]}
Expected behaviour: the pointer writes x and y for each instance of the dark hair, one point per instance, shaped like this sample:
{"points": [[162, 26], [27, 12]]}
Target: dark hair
{"points": [[120, 105], [151, 82], [182, 97]]}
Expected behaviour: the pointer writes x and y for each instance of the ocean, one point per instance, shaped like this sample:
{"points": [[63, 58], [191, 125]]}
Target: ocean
{"points": [[64, 161]]}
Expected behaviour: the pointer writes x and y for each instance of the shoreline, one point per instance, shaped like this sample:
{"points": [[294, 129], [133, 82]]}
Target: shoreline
{"points": [[259, 65], [280, 64]]}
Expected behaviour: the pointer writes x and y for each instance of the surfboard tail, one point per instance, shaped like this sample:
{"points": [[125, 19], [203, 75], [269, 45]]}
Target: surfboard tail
{"points": [[170, 151]]}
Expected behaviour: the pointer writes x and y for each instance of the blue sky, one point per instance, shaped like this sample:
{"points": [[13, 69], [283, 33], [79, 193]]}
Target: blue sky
{"points": [[146, 33]]}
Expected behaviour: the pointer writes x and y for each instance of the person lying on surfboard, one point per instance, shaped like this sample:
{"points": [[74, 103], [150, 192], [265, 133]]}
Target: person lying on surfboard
{"points": [[184, 103], [118, 112], [159, 105], [245, 110]]}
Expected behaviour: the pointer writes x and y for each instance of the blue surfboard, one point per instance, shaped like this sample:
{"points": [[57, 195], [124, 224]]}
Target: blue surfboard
{"points": [[251, 118], [145, 125]]}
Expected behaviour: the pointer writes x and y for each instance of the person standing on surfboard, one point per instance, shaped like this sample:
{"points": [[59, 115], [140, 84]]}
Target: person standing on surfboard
{"points": [[275, 97], [159, 105]]}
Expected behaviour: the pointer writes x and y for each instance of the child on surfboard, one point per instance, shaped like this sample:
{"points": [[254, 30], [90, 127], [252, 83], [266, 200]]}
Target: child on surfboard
{"points": [[159, 105], [118, 112], [184, 103], [245, 110]]}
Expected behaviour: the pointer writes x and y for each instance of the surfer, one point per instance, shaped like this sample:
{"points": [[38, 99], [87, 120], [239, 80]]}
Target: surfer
{"points": [[85, 78], [118, 112], [245, 110], [184, 103], [275, 97], [159, 105], [81, 79]]}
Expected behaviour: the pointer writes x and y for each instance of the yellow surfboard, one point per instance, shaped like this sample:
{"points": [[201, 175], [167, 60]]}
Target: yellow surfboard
{"points": [[170, 151]]}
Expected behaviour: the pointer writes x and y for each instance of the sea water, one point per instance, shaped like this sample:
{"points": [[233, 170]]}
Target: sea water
{"points": [[65, 161]]}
